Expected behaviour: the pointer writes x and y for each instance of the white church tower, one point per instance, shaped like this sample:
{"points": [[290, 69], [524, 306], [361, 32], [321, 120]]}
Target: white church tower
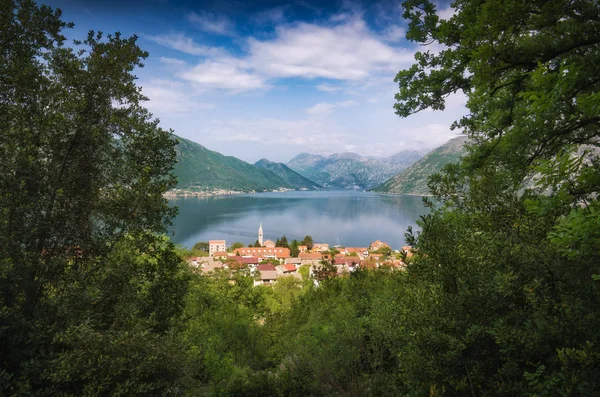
{"points": [[260, 235]]}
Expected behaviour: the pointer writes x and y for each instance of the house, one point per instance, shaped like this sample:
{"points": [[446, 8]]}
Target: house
{"points": [[293, 261], [265, 267], [302, 248], [346, 262], [290, 268], [360, 251], [320, 247], [243, 262], [375, 245], [216, 246], [265, 277], [269, 244], [210, 267], [220, 255], [264, 252], [310, 256], [286, 269], [194, 261]]}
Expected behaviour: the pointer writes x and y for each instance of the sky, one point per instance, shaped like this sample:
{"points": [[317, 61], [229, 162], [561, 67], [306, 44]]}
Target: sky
{"points": [[272, 79]]}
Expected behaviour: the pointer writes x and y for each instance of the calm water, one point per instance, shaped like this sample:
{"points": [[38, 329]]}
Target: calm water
{"points": [[346, 217]]}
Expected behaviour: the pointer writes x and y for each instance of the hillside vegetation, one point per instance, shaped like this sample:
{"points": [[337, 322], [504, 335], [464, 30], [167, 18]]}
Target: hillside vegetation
{"points": [[413, 180], [201, 168]]}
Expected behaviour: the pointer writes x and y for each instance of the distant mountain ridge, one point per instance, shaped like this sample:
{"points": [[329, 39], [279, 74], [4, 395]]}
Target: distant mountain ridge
{"points": [[287, 174], [413, 180], [200, 168], [350, 170]]}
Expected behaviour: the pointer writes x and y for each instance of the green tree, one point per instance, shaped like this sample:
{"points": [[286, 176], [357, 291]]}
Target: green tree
{"points": [[308, 241], [509, 256], [294, 251], [201, 246], [282, 242], [83, 170], [236, 245], [325, 270]]}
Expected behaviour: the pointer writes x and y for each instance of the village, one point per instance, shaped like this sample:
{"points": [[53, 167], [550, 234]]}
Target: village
{"points": [[266, 261]]}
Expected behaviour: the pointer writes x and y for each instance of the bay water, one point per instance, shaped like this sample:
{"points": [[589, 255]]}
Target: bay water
{"points": [[344, 217]]}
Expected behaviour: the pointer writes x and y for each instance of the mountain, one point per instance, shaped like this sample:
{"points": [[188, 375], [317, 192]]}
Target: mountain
{"points": [[350, 170], [413, 180], [288, 175], [201, 168]]}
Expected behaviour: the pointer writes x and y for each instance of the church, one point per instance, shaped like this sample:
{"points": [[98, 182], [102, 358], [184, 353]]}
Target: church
{"points": [[267, 243]]}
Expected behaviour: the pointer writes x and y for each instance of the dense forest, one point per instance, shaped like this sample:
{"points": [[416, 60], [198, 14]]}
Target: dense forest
{"points": [[502, 295]]}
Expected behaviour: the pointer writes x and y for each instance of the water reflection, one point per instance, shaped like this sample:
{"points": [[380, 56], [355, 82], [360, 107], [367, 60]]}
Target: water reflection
{"points": [[352, 218]]}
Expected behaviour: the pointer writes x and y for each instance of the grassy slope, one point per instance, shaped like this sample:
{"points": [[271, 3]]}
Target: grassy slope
{"points": [[198, 167]]}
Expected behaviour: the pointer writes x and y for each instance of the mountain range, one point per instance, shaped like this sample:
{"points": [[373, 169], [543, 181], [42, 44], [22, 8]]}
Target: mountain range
{"points": [[413, 180], [350, 170], [200, 168], [288, 175]]}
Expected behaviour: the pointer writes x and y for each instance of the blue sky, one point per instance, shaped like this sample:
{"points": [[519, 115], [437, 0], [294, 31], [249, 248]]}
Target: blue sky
{"points": [[272, 79]]}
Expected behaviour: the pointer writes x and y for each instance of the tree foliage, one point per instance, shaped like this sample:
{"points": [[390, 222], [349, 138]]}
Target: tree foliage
{"points": [[308, 241], [509, 257], [83, 169], [282, 242], [236, 245], [294, 251], [202, 246]]}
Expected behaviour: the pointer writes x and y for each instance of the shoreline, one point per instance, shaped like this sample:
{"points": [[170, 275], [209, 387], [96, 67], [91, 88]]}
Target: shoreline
{"points": [[179, 193]]}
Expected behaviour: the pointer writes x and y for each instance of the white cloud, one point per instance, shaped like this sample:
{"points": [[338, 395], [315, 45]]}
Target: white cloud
{"points": [[446, 13], [328, 87], [394, 33], [181, 42], [171, 97], [173, 62], [347, 51], [225, 73], [213, 23], [326, 108], [307, 133]]}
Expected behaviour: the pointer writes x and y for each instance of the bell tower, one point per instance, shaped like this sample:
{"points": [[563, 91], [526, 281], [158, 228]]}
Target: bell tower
{"points": [[260, 235]]}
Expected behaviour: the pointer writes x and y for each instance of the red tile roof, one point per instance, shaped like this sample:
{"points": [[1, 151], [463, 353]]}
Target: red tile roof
{"points": [[310, 256], [248, 261], [290, 268], [356, 249], [262, 252], [265, 267], [345, 261]]}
